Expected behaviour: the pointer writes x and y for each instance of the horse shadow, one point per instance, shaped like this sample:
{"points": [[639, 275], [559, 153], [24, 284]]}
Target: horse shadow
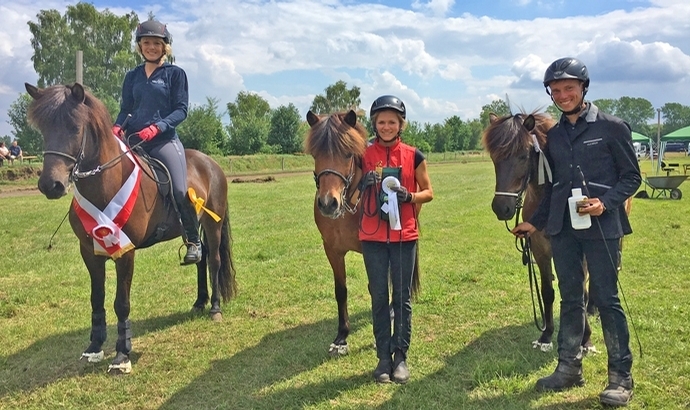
{"points": [[56, 357], [479, 364], [238, 381]]}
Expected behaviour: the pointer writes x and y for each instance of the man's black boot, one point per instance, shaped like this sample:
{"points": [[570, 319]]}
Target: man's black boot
{"points": [[619, 392], [564, 377], [401, 374], [382, 373]]}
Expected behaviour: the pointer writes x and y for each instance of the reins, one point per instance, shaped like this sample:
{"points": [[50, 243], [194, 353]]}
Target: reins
{"points": [[524, 246]]}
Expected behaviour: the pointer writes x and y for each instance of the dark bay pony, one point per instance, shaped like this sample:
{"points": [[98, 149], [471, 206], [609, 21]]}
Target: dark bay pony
{"points": [[337, 142], [510, 143], [81, 149]]}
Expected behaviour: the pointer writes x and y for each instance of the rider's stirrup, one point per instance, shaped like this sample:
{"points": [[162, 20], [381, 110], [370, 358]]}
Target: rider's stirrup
{"points": [[193, 254]]}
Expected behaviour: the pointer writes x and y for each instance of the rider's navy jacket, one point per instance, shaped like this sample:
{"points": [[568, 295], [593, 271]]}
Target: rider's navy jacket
{"points": [[161, 99], [600, 145]]}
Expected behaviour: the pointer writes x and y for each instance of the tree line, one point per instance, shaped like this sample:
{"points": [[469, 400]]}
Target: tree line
{"points": [[106, 40]]}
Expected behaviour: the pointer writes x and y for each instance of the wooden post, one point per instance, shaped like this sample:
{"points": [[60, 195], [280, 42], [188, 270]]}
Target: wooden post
{"points": [[80, 67]]}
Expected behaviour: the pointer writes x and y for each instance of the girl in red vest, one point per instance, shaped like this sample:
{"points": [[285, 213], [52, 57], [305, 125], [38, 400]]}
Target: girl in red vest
{"points": [[389, 238]]}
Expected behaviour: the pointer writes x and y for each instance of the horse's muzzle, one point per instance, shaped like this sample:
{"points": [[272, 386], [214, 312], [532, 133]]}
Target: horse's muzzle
{"points": [[503, 207], [51, 188]]}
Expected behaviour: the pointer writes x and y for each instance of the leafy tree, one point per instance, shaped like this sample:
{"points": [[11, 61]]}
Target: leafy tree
{"points": [[498, 107], [636, 112], [104, 38], [27, 137], [337, 98], [476, 129], [250, 117], [554, 112], [203, 129], [457, 133], [676, 116], [285, 127], [607, 105]]}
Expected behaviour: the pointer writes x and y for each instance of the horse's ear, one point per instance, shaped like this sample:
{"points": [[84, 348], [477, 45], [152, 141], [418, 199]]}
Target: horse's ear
{"points": [[312, 118], [33, 91], [78, 93], [529, 122], [351, 118], [492, 118]]}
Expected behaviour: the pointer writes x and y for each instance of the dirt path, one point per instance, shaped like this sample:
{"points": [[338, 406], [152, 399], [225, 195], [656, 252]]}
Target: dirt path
{"points": [[19, 190]]}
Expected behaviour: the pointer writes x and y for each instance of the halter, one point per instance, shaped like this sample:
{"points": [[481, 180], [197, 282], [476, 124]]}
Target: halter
{"points": [[344, 199]]}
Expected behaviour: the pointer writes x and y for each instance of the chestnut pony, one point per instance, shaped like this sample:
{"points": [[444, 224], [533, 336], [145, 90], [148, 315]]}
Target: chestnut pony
{"points": [[81, 149], [337, 142]]}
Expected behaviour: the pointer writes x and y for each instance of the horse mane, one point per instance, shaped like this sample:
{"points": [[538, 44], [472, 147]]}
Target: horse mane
{"points": [[57, 109], [507, 136], [334, 137]]}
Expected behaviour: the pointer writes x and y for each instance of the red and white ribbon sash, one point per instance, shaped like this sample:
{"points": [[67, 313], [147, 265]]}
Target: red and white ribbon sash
{"points": [[105, 227]]}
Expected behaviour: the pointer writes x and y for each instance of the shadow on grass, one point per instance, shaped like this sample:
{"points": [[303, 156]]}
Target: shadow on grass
{"points": [[57, 357], [485, 374], [244, 381]]}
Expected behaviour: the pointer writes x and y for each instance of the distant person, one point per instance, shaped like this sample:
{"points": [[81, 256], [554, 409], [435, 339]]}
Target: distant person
{"points": [[15, 151], [156, 95], [4, 152], [592, 151], [390, 248]]}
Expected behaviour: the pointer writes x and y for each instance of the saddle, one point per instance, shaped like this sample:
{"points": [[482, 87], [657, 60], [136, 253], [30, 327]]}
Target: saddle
{"points": [[158, 172]]}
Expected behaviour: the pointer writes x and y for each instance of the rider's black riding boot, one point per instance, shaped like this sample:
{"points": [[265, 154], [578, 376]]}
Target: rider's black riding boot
{"points": [[190, 224]]}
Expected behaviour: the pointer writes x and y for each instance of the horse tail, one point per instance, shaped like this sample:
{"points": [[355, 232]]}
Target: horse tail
{"points": [[415, 275], [226, 274]]}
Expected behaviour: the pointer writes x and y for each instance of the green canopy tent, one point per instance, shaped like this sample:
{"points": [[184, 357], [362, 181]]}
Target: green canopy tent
{"points": [[637, 137], [682, 134]]}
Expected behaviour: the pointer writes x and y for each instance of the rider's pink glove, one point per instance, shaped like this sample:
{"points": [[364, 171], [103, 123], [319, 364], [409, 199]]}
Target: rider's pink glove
{"points": [[117, 131], [149, 132]]}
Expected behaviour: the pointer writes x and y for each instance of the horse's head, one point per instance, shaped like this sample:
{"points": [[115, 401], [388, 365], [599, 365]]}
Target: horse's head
{"points": [[66, 116], [510, 141], [337, 143]]}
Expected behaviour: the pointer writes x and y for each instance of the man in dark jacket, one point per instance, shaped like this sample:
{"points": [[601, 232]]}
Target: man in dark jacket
{"points": [[593, 151]]}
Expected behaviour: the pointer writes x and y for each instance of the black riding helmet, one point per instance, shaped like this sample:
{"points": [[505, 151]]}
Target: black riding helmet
{"points": [[388, 102], [153, 28], [566, 68]]}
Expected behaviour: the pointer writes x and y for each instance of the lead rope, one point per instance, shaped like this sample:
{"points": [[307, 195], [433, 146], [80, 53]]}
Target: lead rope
{"points": [[525, 249]]}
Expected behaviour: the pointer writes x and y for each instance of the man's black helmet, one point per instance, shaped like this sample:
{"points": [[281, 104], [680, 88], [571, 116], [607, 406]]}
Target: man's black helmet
{"points": [[386, 102], [566, 68], [153, 28]]}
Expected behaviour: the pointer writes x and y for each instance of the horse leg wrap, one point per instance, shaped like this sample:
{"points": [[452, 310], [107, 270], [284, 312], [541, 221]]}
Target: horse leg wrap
{"points": [[94, 353], [124, 337], [98, 330]]}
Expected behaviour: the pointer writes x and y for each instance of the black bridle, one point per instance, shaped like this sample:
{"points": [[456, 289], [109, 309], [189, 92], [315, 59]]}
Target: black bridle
{"points": [[347, 180]]}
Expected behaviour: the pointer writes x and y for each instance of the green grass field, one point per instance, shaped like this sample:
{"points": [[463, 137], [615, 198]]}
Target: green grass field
{"points": [[472, 324]]}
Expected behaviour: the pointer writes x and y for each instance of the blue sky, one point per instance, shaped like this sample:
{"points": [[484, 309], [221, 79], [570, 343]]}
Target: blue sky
{"points": [[442, 57]]}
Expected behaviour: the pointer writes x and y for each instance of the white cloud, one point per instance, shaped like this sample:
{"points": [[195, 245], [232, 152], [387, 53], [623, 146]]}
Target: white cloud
{"points": [[440, 66]]}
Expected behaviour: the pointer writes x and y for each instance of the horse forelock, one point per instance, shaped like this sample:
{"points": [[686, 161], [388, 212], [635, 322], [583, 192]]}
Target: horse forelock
{"points": [[55, 110], [331, 136], [507, 136]]}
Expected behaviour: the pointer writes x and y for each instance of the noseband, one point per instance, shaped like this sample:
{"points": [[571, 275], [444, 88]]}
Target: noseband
{"points": [[76, 174], [344, 199]]}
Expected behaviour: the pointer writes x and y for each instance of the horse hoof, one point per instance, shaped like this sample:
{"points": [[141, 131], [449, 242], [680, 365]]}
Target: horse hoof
{"points": [[120, 368], [544, 347], [216, 316], [335, 350], [196, 310], [93, 357]]}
